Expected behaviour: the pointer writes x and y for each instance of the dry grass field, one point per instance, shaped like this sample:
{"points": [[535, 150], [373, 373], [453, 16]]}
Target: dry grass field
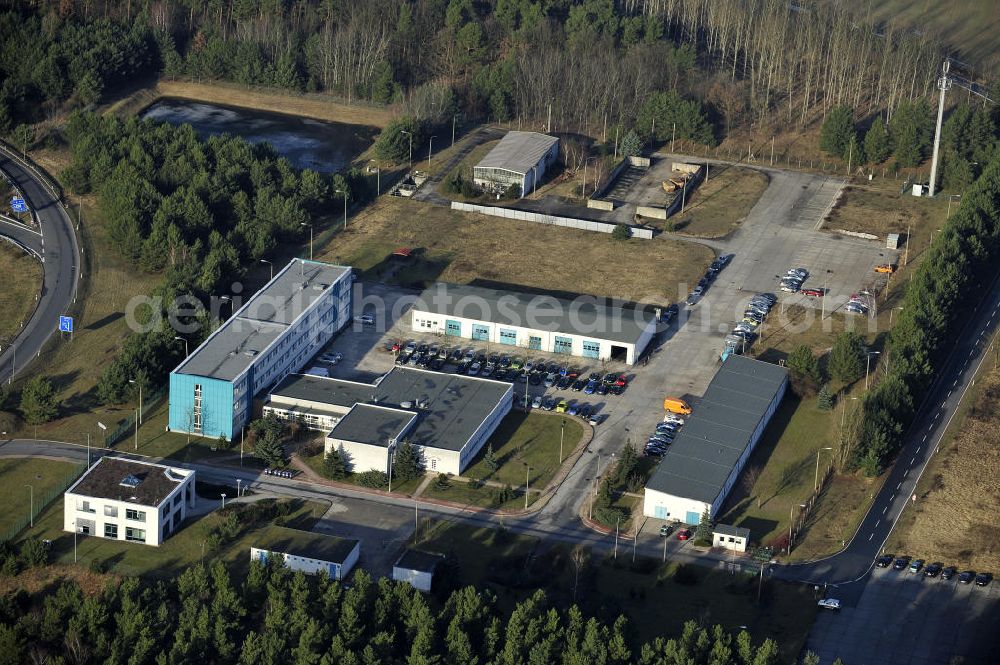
{"points": [[107, 286], [22, 281], [879, 208], [955, 519], [465, 248], [718, 206], [315, 106]]}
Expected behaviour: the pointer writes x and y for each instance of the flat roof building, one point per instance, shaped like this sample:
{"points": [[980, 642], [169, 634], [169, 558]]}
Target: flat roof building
{"points": [[307, 551], [587, 326], [520, 158], [274, 333], [121, 499], [704, 461], [447, 416], [416, 568]]}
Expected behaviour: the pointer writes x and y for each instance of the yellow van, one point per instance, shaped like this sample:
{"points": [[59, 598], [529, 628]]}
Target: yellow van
{"points": [[676, 405]]}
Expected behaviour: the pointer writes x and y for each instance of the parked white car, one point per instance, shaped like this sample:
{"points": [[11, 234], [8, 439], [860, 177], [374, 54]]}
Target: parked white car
{"points": [[829, 604]]}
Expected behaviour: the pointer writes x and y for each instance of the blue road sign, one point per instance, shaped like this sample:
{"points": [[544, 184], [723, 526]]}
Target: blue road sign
{"points": [[17, 204], [66, 324]]}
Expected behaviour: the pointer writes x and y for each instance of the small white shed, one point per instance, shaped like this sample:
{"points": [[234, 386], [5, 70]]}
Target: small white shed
{"points": [[730, 537], [417, 568]]}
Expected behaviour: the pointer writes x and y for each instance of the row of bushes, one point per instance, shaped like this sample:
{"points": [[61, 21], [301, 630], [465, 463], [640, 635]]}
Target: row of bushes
{"points": [[937, 304]]}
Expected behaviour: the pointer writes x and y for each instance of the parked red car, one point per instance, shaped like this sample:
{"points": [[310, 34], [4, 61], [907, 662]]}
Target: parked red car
{"points": [[815, 293], [621, 380], [683, 534]]}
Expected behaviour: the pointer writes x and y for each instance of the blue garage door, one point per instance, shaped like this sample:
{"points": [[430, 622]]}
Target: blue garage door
{"points": [[660, 513], [480, 332], [562, 345], [692, 517], [453, 328], [591, 349], [535, 343], [334, 572], [508, 336]]}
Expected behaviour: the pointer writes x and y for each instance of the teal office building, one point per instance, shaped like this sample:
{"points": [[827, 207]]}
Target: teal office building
{"points": [[273, 334]]}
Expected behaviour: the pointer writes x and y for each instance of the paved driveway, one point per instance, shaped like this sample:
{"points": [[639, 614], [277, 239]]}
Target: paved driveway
{"points": [[906, 619]]}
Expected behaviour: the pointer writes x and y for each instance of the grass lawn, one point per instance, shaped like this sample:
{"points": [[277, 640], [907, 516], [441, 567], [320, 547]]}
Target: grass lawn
{"points": [[531, 438], [469, 248], [717, 207], [22, 281], [464, 493], [183, 548], [43, 475], [315, 462], [464, 167], [783, 468], [959, 492]]}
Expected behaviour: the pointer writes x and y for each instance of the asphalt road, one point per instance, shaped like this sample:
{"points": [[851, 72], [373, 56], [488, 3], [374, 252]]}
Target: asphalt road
{"points": [[60, 253], [849, 569]]}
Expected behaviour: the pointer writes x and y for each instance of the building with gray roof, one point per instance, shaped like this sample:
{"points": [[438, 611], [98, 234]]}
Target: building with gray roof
{"points": [[448, 417], [704, 461], [587, 326], [307, 551], [272, 334], [520, 158]]}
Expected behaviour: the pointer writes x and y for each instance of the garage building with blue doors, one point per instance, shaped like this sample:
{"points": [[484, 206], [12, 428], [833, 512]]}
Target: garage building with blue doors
{"points": [[272, 335], [585, 326], [702, 464]]}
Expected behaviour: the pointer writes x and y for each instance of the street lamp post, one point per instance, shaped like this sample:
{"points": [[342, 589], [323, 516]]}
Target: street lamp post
{"points": [[868, 365], [344, 192], [223, 500], [139, 419], [238, 481], [31, 506], [618, 522], [791, 518], [430, 150], [185, 345], [816, 478], [310, 237], [562, 435], [271, 266], [453, 119], [527, 479], [410, 156]]}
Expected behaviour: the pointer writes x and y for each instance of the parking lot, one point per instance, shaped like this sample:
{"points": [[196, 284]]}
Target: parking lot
{"points": [[382, 530], [907, 618]]}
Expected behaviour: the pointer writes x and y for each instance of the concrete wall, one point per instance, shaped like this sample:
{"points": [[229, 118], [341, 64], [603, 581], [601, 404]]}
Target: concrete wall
{"points": [[600, 204], [650, 211], [552, 220], [691, 183], [360, 456], [334, 570], [415, 578], [673, 507]]}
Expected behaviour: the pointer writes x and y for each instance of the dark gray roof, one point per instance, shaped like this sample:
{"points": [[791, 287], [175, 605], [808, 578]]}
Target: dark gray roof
{"points": [[699, 461], [261, 320], [374, 425], [518, 152], [424, 562], [590, 316], [729, 530], [305, 544], [450, 407], [336, 392], [149, 484]]}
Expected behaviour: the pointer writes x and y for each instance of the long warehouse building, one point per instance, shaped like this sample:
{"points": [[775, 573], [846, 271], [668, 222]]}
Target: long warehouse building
{"points": [[280, 328], [702, 464], [520, 158], [588, 326]]}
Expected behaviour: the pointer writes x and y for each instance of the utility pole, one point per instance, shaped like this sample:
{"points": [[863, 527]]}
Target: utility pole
{"points": [[453, 119], [816, 478], [943, 84], [618, 522], [562, 435], [548, 123], [673, 134], [906, 252], [527, 479]]}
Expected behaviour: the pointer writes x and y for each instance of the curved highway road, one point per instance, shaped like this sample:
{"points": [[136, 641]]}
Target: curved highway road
{"points": [[850, 567], [60, 253]]}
